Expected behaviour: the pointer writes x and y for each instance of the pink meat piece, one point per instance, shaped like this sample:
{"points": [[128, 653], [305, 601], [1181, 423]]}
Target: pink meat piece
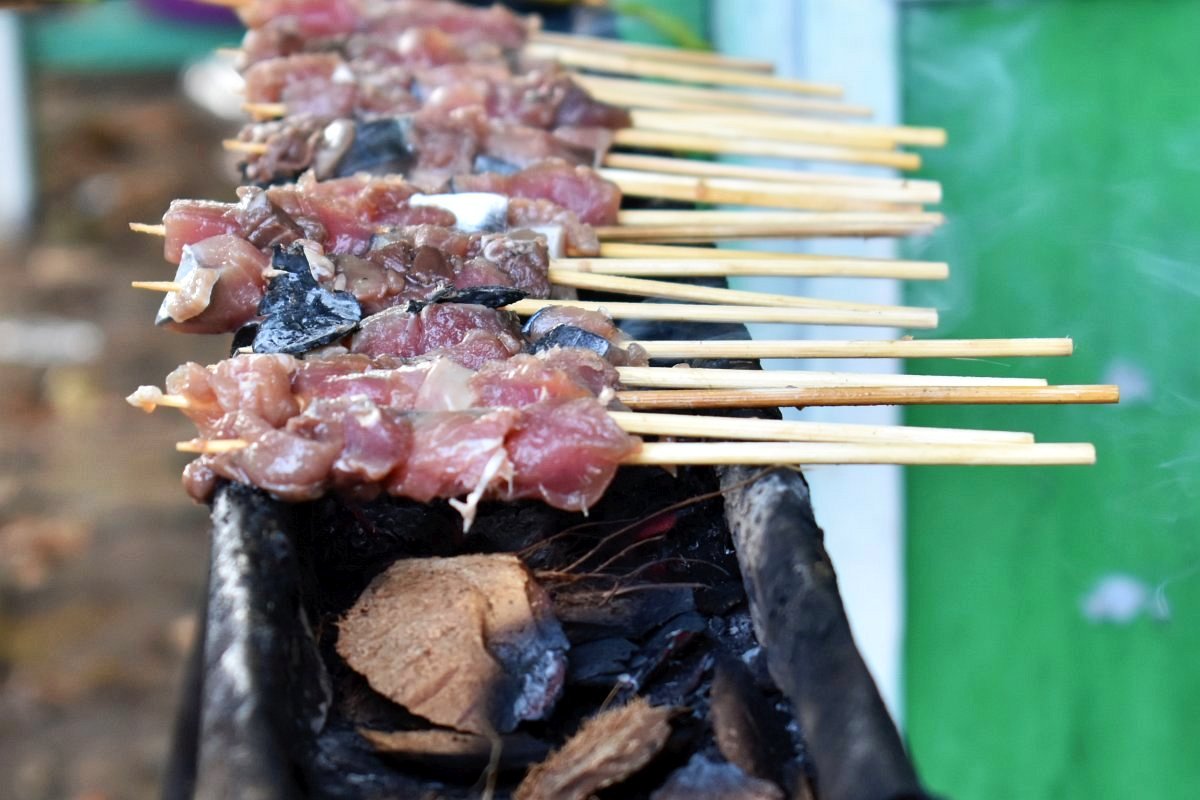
{"points": [[440, 328], [578, 109], [237, 268], [524, 380], [595, 141], [308, 18], [581, 239], [351, 209], [596, 322], [594, 200], [466, 25], [257, 384], [191, 381], [584, 367], [289, 466], [319, 84], [356, 376], [524, 146], [454, 453], [372, 441], [191, 221], [566, 453]]}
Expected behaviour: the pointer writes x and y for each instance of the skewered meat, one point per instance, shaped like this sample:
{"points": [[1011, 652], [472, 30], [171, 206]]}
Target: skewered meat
{"points": [[224, 284], [515, 429], [279, 27], [594, 199], [345, 215], [429, 148], [471, 335], [330, 85]]}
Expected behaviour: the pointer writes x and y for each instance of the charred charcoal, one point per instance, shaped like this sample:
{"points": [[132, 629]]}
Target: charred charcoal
{"points": [[667, 643], [704, 779], [607, 750], [751, 733], [489, 296], [300, 314], [487, 163], [600, 663], [468, 642], [380, 147], [244, 338], [570, 336], [594, 615], [453, 754]]}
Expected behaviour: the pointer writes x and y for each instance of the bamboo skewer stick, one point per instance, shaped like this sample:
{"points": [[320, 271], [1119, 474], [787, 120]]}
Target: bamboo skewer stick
{"points": [[766, 148], [765, 126], [807, 453], [717, 226], [833, 396], [667, 261], [661, 52], [922, 191], [915, 191], [701, 143], [766, 430], [664, 289], [886, 348], [764, 194], [763, 454], [918, 318], [689, 73], [706, 294], [869, 396], [632, 91], [704, 427], [732, 126], [727, 263], [697, 378]]}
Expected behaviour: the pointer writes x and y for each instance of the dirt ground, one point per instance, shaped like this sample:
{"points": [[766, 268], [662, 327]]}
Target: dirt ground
{"points": [[102, 556]]}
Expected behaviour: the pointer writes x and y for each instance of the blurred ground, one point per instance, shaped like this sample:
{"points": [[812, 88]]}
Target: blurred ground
{"points": [[102, 556]]}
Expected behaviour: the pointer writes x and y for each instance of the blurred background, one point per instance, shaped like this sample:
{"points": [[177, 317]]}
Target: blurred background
{"points": [[1035, 631]]}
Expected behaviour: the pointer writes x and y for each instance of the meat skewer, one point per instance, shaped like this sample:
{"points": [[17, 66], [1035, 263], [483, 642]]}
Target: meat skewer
{"points": [[282, 27], [344, 418], [802, 454], [221, 281], [667, 53]]}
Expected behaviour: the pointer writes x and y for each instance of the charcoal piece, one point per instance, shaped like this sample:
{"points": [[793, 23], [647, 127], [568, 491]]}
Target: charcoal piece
{"points": [[453, 753], [670, 640], [380, 147], [300, 314], [704, 779], [244, 337], [489, 296], [600, 663], [749, 731], [571, 336], [468, 643], [799, 618], [596, 615], [607, 750], [498, 166]]}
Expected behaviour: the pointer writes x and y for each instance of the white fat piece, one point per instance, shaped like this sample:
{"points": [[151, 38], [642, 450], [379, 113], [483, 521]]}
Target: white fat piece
{"points": [[475, 212], [556, 239], [185, 275]]}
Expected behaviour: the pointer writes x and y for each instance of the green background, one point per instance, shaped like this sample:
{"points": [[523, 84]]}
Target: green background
{"points": [[1072, 186]]}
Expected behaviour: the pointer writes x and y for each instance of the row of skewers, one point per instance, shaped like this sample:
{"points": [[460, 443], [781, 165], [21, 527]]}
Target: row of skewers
{"points": [[422, 178]]}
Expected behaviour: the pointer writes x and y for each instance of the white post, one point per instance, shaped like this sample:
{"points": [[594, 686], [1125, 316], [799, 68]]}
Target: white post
{"points": [[16, 189], [852, 43]]}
